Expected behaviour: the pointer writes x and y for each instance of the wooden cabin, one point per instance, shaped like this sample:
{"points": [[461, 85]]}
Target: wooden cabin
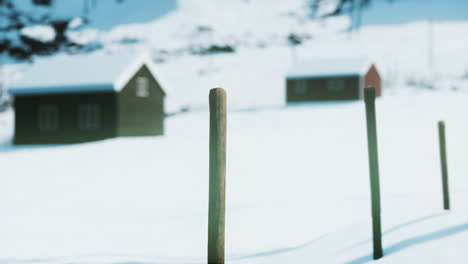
{"points": [[331, 80], [69, 99]]}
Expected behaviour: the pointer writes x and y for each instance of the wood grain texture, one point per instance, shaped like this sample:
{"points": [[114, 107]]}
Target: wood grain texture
{"points": [[217, 188]]}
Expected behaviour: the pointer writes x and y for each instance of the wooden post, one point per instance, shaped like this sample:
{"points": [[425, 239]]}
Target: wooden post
{"points": [[369, 96], [217, 192], [443, 165]]}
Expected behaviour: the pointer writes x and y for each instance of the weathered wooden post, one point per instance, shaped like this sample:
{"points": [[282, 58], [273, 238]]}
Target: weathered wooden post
{"points": [[217, 187], [369, 96], [443, 165]]}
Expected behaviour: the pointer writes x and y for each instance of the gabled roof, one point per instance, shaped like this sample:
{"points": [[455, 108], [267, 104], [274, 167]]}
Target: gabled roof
{"points": [[350, 66], [95, 72]]}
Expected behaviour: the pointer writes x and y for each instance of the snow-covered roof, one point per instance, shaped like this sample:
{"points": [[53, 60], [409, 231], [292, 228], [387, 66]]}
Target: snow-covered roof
{"points": [[319, 68], [65, 73]]}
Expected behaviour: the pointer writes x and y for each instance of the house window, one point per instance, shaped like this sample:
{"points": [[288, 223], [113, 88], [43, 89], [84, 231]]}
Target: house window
{"points": [[48, 117], [335, 85], [89, 116], [300, 87], [142, 87]]}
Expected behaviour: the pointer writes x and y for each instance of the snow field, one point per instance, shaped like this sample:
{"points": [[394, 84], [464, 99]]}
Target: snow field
{"points": [[297, 189]]}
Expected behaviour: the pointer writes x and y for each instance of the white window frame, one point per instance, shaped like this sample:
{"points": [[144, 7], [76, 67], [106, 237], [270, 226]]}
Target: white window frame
{"points": [[142, 87], [48, 117], [89, 116]]}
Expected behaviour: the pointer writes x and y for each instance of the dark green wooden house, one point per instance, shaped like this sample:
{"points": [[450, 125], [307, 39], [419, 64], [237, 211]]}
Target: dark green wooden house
{"points": [[331, 80], [70, 99]]}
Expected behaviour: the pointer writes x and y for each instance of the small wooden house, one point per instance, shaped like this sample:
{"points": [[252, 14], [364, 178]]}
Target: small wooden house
{"points": [[333, 79], [68, 99]]}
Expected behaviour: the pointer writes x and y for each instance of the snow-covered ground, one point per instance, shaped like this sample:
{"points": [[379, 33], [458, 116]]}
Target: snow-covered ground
{"points": [[297, 190]]}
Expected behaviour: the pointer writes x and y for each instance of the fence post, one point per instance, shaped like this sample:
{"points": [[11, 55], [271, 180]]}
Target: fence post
{"points": [[369, 97], [443, 165], [217, 183]]}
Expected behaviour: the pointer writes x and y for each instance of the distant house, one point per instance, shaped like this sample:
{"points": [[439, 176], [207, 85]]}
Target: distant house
{"points": [[333, 79], [68, 99]]}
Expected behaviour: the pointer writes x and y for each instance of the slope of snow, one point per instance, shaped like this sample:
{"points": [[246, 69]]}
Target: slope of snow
{"points": [[235, 23], [402, 52], [256, 77], [262, 58]]}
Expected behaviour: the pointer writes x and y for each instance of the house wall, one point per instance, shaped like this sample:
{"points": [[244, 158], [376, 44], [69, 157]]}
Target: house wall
{"points": [[68, 130], [372, 78], [319, 89], [137, 115]]}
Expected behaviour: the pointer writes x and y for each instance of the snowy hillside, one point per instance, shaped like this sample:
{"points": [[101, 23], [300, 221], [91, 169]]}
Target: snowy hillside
{"points": [[229, 43], [402, 52], [256, 77], [190, 45]]}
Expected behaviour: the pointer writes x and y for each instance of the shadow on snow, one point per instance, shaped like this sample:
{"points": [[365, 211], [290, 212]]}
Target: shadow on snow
{"points": [[277, 251], [398, 227], [421, 239]]}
